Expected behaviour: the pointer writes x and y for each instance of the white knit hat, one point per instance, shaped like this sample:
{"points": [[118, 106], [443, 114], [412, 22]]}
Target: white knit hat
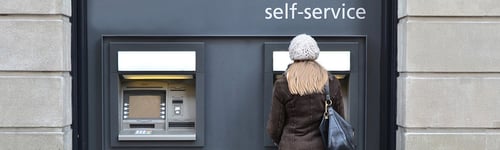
{"points": [[303, 47]]}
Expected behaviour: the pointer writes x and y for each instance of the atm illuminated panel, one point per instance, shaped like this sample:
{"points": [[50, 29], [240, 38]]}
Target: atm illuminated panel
{"points": [[333, 61], [157, 61]]}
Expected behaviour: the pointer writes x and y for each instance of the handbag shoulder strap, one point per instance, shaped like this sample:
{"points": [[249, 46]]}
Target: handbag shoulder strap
{"points": [[327, 90], [328, 101]]}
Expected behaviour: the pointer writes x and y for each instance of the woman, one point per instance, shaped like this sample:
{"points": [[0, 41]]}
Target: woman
{"points": [[298, 99]]}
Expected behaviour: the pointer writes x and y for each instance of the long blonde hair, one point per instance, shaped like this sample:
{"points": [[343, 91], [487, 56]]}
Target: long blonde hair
{"points": [[306, 77]]}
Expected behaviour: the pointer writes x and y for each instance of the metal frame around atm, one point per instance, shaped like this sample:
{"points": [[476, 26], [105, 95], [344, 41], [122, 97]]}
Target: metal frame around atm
{"points": [[109, 57], [357, 79]]}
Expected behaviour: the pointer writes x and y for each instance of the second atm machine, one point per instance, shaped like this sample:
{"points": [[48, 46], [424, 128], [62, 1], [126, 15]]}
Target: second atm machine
{"points": [[344, 60]]}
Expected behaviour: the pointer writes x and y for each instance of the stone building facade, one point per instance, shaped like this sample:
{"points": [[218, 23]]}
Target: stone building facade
{"points": [[35, 81], [448, 88]]}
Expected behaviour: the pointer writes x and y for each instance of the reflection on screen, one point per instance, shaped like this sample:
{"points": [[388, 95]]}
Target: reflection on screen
{"points": [[144, 106]]}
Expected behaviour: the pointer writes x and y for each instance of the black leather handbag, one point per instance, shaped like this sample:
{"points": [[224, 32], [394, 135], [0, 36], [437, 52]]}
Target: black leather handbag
{"points": [[337, 134]]}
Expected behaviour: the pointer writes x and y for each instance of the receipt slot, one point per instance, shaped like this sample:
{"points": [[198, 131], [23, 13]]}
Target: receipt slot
{"points": [[344, 60], [156, 93]]}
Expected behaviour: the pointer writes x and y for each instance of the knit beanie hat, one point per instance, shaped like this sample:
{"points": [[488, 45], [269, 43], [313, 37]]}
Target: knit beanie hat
{"points": [[303, 47]]}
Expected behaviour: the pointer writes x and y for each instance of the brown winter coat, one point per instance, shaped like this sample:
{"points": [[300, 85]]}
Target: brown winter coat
{"points": [[294, 120]]}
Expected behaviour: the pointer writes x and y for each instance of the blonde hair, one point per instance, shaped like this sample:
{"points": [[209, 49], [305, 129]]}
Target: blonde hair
{"points": [[306, 77]]}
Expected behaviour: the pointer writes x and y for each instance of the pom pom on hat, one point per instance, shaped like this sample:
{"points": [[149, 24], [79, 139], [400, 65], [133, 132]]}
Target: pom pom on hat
{"points": [[303, 47]]}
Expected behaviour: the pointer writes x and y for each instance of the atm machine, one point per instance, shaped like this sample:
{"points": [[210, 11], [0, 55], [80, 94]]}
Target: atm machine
{"points": [[157, 109], [157, 93], [344, 60]]}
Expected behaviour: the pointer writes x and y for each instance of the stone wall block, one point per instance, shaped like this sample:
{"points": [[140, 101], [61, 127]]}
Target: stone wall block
{"points": [[461, 100], [428, 44], [36, 140], [448, 8], [36, 7], [35, 99], [448, 139], [35, 43]]}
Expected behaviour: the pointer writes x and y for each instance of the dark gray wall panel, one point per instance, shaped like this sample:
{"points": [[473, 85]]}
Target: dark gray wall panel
{"points": [[233, 32], [222, 17]]}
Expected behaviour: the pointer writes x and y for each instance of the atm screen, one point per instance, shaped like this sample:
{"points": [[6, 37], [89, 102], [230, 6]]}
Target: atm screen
{"points": [[144, 106]]}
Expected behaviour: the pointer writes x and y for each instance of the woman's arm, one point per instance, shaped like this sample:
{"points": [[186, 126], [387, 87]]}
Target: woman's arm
{"points": [[277, 115], [338, 102]]}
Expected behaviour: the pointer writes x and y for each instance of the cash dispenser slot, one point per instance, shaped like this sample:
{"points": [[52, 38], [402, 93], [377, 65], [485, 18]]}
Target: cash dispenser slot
{"points": [[142, 126], [181, 124]]}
